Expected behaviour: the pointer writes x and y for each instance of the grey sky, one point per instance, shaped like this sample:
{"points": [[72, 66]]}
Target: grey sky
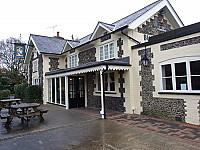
{"points": [[77, 17]]}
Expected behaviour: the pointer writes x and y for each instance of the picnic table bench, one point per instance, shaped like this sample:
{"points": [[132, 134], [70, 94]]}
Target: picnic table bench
{"points": [[24, 111]]}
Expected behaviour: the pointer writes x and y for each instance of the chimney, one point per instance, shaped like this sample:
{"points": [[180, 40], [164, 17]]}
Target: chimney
{"points": [[58, 34]]}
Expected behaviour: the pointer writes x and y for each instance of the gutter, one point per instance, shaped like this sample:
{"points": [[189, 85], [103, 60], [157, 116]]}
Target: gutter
{"points": [[130, 37], [98, 38]]}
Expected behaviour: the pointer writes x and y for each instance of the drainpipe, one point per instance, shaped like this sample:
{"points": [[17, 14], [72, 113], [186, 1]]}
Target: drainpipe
{"points": [[103, 109], [130, 37]]}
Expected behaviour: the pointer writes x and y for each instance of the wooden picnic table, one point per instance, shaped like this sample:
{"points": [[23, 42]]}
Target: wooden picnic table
{"points": [[9, 102], [24, 111]]}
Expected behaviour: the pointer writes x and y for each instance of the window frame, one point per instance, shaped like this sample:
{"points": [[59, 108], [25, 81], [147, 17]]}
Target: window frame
{"points": [[172, 62], [75, 59], [109, 54], [35, 66], [98, 81]]}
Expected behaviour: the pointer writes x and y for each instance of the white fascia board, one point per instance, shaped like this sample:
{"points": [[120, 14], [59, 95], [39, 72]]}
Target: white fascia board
{"points": [[35, 45], [26, 59], [92, 69], [96, 29], [136, 23], [65, 47], [28, 51], [67, 43]]}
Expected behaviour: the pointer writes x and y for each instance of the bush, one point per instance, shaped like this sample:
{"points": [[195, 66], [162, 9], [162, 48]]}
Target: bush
{"points": [[4, 87], [5, 94], [33, 93], [20, 90]]}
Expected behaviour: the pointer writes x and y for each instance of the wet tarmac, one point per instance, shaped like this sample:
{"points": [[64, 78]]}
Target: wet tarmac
{"points": [[65, 129]]}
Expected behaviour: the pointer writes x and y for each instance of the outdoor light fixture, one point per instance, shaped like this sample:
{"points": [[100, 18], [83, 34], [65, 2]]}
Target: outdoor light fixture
{"points": [[145, 60]]}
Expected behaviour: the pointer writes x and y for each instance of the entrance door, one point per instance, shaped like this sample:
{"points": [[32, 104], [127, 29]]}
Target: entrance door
{"points": [[76, 92]]}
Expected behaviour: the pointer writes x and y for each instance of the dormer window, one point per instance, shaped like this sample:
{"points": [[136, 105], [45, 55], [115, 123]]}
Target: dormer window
{"points": [[72, 61], [106, 51]]}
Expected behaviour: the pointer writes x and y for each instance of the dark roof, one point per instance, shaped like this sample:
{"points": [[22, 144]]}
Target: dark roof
{"points": [[53, 45], [109, 26], [128, 19], [180, 32], [50, 45], [119, 62]]}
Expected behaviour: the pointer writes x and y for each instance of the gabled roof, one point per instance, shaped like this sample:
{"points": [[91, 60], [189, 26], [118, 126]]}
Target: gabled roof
{"points": [[177, 33], [56, 45], [51, 45], [137, 18], [105, 26], [130, 18]]}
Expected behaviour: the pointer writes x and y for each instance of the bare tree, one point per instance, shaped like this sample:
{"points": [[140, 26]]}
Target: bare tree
{"points": [[14, 67]]}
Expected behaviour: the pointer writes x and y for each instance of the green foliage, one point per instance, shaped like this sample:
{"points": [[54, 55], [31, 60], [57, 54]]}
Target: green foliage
{"points": [[4, 94], [33, 93], [20, 90], [4, 87], [3, 81]]}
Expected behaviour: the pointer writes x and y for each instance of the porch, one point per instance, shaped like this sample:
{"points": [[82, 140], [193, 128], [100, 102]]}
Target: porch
{"points": [[94, 85]]}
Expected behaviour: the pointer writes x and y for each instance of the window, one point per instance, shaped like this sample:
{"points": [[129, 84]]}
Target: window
{"points": [[35, 81], [72, 61], [109, 82], [35, 66], [106, 51], [181, 74]]}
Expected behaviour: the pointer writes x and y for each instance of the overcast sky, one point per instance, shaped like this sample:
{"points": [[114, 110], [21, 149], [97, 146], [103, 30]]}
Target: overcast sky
{"points": [[77, 17]]}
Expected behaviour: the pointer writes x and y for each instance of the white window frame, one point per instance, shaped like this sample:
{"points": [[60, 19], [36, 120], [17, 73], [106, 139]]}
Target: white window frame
{"points": [[109, 81], [35, 66], [109, 54], [73, 61], [35, 81], [172, 62]]}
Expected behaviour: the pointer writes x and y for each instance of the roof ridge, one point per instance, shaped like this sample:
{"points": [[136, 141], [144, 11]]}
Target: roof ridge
{"points": [[158, 1], [106, 23], [49, 37]]}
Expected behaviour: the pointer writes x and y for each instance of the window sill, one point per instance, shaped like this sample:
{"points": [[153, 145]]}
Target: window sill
{"points": [[181, 93], [106, 92]]}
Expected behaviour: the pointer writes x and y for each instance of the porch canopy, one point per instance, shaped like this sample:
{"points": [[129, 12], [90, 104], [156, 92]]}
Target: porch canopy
{"points": [[114, 64]]}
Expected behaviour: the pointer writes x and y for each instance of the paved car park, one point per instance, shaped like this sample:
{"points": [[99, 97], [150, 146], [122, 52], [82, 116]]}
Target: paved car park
{"points": [[72, 129]]}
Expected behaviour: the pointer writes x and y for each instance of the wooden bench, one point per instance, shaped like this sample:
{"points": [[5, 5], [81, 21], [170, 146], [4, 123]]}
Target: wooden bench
{"points": [[5, 115], [8, 117], [43, 110], [27, 117]]}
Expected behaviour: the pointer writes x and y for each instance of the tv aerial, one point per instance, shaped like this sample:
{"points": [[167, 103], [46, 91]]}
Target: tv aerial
{"points": [[53, 27]]}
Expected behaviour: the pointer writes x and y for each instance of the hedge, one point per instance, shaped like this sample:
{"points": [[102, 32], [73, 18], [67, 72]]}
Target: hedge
{"points": [[20, 90], [33, 92], [4, 94]]}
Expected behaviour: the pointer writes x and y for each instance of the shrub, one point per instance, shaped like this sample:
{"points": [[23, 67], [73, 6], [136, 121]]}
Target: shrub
{"points": [[20, 90], [5, 93], [33, 93]]}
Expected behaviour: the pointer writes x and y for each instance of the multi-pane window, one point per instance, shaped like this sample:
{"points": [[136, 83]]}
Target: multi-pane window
{"points": [[72, 61], [181, 76], [195, 74], [109, 82], [167, 77], [106, 51], [35, 81], [35, 66]]}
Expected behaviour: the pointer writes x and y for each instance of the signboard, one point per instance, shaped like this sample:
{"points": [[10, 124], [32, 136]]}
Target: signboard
{"points": [[19, 50]]}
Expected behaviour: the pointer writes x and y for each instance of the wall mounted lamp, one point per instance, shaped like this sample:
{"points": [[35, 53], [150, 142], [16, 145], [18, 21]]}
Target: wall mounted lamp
{"points": [[145, 60]]}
